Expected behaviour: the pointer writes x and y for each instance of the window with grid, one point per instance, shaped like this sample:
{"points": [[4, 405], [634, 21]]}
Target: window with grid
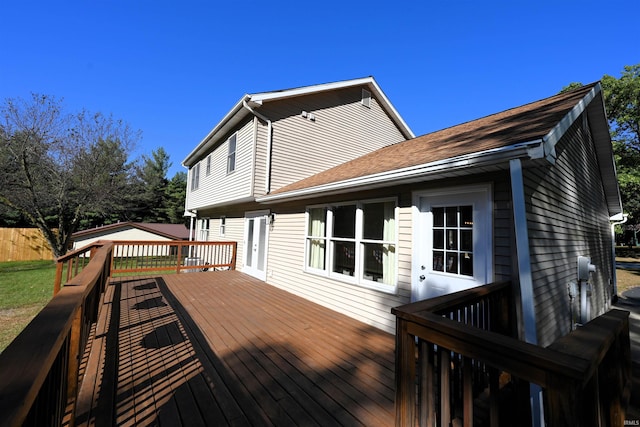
{"points": [[453, 240]]}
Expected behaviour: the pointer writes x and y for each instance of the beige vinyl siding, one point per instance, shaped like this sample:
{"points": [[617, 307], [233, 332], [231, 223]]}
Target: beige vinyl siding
{"points": [[502, 230], [343, 129], [567, 215], [261, 131], [219, 187], [285, 269]]}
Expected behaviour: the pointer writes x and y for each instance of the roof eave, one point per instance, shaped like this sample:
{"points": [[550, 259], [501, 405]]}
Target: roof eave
{"points": [[593, 104], [235, 115], [457, 165]]}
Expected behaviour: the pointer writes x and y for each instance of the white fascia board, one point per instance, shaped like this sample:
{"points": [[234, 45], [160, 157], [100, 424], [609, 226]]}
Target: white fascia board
{"points": [[409, 174], [556, 133], [305, 90], [231, 118]]}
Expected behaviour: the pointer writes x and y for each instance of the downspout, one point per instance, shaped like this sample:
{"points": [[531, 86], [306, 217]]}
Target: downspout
{"points": [[615, 221], [525, 279], [267, 181]]}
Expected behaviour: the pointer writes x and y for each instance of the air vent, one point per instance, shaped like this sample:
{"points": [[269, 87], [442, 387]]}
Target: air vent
{"points": [[366, 98]]}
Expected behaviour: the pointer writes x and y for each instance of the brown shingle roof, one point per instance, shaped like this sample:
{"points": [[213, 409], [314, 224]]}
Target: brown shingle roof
{"points": [[518, 125]]}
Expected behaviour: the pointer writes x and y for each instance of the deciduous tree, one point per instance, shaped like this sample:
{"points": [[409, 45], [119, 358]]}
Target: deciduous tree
{"points": [[56, 167]]}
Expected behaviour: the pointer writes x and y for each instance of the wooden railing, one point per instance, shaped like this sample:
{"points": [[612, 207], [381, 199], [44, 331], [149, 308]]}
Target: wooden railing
{"points": [[179, 256], [39, 370], [467, 368]]}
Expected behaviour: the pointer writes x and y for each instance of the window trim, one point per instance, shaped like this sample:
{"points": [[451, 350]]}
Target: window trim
{"points": [[231, 155], [208, 169], [358, 276], [195, 177], [223, 226]]}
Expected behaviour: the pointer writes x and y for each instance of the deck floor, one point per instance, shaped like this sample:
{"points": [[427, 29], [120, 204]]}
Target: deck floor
{"points": [[226, 349]]}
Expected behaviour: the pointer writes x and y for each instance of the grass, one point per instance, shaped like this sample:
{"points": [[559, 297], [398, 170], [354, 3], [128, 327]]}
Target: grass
{"points": [[25, 287]]}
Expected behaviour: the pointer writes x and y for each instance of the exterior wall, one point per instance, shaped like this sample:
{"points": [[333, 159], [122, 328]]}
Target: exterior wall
{"points": [[286, 263], [129, 233], [285, 269], [568, 217], [343, 129], [219, 187]]}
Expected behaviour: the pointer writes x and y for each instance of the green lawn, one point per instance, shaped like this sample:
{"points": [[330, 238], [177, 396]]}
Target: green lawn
{"points": [[25, 287]]}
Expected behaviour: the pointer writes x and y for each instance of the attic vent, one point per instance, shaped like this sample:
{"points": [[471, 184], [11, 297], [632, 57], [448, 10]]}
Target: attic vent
{"points": [[366, 98]]}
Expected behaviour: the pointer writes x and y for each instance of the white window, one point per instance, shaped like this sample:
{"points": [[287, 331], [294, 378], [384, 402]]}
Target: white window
{"points": [[195, 177], [209, 165], [354, 241], [204, 230], [223, 225], [231, 157]]}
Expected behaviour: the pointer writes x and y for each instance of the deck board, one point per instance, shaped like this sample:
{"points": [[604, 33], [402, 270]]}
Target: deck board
{"points": [[223, 348]]}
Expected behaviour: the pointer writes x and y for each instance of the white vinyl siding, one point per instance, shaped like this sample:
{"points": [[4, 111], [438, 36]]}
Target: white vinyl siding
{"points": [[567, 217], [343, 129], [220, 187]]}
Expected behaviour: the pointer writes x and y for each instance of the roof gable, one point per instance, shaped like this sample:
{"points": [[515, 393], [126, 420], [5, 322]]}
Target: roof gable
{"points": [[243, 107]]}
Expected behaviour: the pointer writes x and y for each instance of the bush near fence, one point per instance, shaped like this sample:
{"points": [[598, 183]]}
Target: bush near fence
{"points": [[23, 244]]}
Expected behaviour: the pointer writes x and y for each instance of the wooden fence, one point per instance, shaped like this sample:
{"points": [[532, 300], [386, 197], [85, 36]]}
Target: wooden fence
{"points": [[23, 244]]}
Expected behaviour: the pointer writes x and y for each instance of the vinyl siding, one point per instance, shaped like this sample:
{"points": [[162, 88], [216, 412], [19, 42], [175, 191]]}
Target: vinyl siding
{"points": [[567, 216], [343, 129], [219, 187], [285, 269]]}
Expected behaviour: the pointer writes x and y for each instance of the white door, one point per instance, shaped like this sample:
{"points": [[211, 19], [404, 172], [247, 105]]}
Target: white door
{"points": [[255, 244], [452, 241]]}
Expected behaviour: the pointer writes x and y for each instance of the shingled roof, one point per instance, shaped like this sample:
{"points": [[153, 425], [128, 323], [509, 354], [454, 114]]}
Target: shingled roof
{"points": [[170, 231], [516, 131]]}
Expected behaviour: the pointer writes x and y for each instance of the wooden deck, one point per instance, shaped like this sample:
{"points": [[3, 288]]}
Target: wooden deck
{"points": [[226, 349]]}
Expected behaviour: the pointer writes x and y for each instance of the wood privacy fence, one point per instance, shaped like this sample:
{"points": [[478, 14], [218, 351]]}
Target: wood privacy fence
{"points": [[23, 244]]}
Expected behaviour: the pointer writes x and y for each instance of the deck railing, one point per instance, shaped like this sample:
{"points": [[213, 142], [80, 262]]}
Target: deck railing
{"points": [[457, 361], [39, 370]]}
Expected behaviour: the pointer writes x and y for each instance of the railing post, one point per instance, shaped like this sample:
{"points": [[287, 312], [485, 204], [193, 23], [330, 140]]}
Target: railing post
{"points": [[233, 256], [57, 283], [73, 372], [180, 245], [405, 375]]}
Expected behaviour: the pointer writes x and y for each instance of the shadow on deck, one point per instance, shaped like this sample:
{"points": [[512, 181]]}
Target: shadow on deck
{"points": [[226, 349]]}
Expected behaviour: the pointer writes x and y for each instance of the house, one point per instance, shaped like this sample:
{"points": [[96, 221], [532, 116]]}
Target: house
{"points": [[130, 231], [363, 218]]}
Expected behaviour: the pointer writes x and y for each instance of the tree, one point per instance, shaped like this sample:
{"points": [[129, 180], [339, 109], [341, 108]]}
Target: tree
{"points": [[57, 168], [175, 198], [622, 102], [152, 184], [622, 99]]}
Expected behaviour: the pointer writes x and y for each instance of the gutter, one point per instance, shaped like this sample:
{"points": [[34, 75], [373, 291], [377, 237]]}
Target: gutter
{"points": [[267, 180], [412, 173]]}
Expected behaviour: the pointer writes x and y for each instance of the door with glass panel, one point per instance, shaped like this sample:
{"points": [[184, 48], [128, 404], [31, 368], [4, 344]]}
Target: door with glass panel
{"points": [[452, 241], [255, 244]]}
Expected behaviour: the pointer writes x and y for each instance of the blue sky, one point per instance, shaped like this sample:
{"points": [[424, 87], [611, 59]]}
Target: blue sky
{"points": [[173, 69]]}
